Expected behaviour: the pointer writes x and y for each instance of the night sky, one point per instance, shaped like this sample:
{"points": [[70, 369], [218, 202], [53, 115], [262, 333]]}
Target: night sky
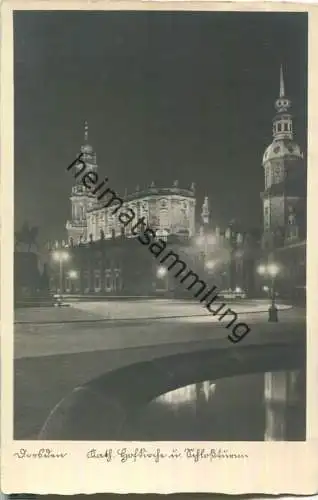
{"points": [[183, 95]]}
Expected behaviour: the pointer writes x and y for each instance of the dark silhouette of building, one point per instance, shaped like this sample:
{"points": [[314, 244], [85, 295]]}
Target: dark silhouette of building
{"points": [[284, 202]]}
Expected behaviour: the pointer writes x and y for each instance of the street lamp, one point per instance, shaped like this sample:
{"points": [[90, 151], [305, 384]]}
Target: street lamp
{"points": [[210, 264], [61, 256], [261, 269], [161, 272], [204, 241], [272, 271], [73, 274]]}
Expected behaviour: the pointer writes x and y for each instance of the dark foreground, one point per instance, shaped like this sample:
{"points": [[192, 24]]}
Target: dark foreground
{"points": [[233, 407]]}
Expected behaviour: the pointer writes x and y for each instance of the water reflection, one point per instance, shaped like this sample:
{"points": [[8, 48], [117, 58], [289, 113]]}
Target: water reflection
{"points": [[245, 408], [285, 403], [189, 395]]}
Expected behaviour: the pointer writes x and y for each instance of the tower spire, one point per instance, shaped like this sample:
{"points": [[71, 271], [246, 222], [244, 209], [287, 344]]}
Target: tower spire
{"points": [[205, 211], [282, 123], [281, 83], [85, 131]]}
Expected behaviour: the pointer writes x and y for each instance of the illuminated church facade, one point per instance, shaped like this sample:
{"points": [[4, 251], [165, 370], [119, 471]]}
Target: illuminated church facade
{"points": [[167, 210], [107, 258], [103, 244]]}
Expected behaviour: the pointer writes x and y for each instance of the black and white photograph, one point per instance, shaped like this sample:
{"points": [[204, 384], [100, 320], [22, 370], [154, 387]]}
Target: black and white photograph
{"points": [[160, 180]]}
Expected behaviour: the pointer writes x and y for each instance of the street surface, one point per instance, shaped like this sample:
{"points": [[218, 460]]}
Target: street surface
{"points": [[57, 349], [95, 326]]}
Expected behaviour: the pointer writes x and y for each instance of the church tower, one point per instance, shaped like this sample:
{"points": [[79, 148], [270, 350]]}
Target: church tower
{"points": [[81, 198], [284, 177]]}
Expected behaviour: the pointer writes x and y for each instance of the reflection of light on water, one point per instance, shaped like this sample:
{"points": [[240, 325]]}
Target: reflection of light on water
{"points": [[276, 386], [182, 395], [208, 389], [283, 396], [188, 394]]}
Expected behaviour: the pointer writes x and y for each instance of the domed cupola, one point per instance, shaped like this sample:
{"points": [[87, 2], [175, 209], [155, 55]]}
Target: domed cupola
{"points": [[283, 145], [282, 163]]}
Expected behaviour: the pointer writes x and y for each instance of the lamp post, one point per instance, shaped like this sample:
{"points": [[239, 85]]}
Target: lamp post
{"points": [[162, 275], [271, 270], [61, 256], [161, 272], [205, 241], [73, 275], [201, 242], [210, 265]]}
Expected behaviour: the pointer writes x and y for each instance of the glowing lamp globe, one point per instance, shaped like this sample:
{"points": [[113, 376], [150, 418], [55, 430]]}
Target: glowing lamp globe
{"points": [[161, 272]]}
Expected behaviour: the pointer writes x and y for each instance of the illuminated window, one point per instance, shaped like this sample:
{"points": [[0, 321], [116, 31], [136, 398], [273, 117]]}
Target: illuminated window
{"points": [[86, 281], [267, 177], [164, 213], [277, 172], [108, 281], [266, 217], [97, 280]]}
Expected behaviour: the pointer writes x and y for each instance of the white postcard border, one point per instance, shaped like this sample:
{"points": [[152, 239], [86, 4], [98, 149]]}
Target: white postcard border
{"points": [[270, 468]]}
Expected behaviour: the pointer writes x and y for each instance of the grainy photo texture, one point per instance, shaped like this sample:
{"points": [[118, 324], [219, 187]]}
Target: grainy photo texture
{"points": [[160, 226]]}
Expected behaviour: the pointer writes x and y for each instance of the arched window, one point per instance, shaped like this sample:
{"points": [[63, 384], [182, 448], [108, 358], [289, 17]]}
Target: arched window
{"points": [[97, 281], [267, 177], [164, 214], [108, 281], [266, 217], [86, 281]]}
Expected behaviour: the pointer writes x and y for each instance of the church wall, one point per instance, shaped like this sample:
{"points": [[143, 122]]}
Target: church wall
{"points": [[170, 213]]}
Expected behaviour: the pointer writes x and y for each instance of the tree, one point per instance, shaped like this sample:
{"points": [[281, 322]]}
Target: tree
{"points": [[33, 234], [26, 236]]}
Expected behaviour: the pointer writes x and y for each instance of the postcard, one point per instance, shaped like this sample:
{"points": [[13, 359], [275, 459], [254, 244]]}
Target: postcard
{"points": [[158, 267]]}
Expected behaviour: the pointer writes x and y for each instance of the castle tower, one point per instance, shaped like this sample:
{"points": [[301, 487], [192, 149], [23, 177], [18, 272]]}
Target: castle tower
{"points": [[283, 208], [282, 163], [205, 212], [81, 198]]}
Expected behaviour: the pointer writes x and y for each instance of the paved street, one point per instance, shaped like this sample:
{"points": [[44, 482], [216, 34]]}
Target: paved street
{"points": [[94, 326], [59, 348]]}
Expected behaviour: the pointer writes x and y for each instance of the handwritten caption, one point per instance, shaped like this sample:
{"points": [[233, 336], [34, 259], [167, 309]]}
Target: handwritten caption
{"points": [[41, 453], [133, 455]]}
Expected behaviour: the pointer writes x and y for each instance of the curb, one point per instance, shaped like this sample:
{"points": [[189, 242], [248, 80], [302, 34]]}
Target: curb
{"points": [[117, 320]]}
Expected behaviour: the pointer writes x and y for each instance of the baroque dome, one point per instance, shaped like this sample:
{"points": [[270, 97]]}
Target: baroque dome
{"points": [[281, 148], [86, 148]]}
